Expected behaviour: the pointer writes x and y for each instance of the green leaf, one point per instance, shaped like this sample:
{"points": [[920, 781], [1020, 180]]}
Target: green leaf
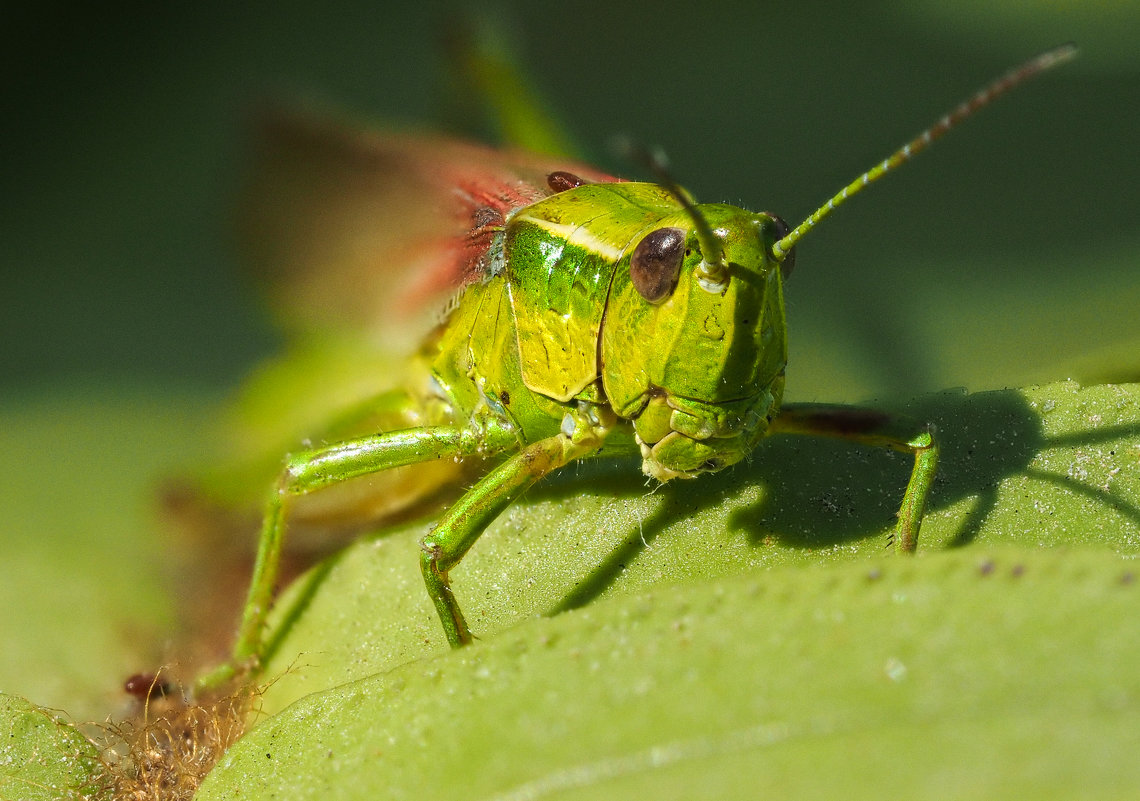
{"points": [[43, 758], [965, 675], [744, 634]]}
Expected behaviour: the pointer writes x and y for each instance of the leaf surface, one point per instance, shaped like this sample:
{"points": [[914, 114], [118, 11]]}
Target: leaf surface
{"points": [[744, 632]]}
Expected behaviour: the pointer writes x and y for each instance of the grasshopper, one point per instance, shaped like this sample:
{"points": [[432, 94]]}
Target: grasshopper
{"points": [[594, 317]]}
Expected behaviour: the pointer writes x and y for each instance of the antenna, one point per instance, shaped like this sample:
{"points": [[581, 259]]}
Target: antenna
{"points": [[1015, 77], [712, 272]]}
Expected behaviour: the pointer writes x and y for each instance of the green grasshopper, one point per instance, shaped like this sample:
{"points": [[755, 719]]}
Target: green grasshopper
{"points": [[594, 317]]}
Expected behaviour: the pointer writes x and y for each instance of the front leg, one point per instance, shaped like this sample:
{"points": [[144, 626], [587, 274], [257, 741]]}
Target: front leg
{"points": [[464, 522], [879, 429], [313, 470]]}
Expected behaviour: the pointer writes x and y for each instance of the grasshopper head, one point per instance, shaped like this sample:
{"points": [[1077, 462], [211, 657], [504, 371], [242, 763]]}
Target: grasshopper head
{"points": [[693, 340], [693, 344]]}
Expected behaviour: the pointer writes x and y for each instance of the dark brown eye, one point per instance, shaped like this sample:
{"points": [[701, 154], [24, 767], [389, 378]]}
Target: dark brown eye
{"points": [[560, 181], [656, 263], [789, 261]]}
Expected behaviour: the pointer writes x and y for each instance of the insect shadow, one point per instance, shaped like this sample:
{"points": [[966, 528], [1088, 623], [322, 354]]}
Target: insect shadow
{"points": [[818, 493]]}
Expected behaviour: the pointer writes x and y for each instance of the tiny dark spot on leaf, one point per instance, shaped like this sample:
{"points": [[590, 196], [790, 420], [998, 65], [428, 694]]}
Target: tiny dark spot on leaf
{"points": [[146, 686]]}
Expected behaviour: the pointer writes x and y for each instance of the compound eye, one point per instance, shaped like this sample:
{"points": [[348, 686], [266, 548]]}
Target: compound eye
{"points": [[782, 229], [656, 263]]}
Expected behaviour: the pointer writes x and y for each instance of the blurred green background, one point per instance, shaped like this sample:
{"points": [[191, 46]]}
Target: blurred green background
{"points": [[1006, 256]]}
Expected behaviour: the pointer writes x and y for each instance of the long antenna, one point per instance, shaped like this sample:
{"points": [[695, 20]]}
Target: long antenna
{"points": [[1012, 79], [712, 272]]}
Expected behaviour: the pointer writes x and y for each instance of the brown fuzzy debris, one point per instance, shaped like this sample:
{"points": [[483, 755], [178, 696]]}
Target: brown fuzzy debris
{"points": [[166, 753]]}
